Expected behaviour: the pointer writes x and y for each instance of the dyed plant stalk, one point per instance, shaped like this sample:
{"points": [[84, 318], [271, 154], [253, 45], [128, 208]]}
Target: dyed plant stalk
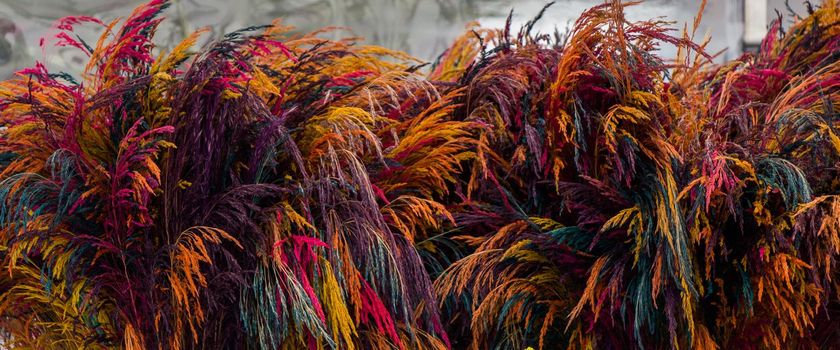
{"points": [[234, 196], [641, 209], [759, 202], [279, 190], [586, 245]]}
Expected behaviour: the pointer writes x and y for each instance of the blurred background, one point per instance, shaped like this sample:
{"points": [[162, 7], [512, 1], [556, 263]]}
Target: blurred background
{"points": [[423, 28]]}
